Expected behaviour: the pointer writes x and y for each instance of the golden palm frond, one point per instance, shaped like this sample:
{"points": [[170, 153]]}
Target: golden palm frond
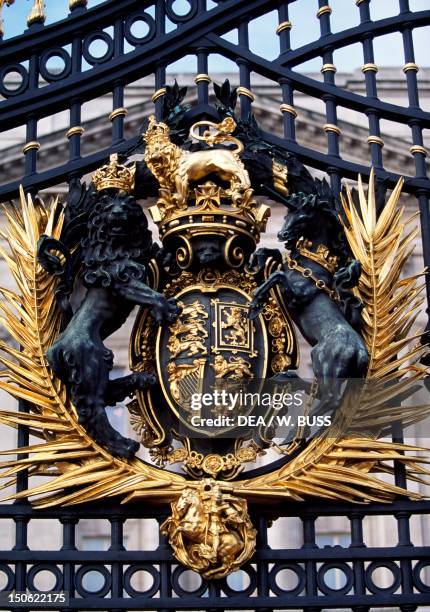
{"points": [[390, 302], [68, 457], [342, 463]]}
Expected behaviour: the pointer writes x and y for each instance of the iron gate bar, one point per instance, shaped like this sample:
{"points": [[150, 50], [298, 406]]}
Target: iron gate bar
{"points": [[269, 69], [127, 67], [308, 156], [353, 35], [273, 70], [93, 82], [77, 167], [168, 594], [40, 38], [165, 604], [264, 580], [270, 510], [347, 169], [83, 165], [80, 556]]}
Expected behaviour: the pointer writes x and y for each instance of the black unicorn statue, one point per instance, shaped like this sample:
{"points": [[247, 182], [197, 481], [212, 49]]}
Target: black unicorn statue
{"points": [[314, 236], [317, 277]]}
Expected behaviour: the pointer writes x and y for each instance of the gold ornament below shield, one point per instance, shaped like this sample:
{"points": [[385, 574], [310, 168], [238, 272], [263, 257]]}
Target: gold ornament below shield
{"points": [[210, 531]]}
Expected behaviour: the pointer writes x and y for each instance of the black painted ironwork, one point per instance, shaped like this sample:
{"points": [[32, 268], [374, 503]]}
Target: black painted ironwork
{"points": [[266, 586], [41, 92]]}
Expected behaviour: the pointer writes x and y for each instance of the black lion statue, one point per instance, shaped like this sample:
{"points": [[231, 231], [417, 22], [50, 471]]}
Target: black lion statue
{"points": [[112, 258]]}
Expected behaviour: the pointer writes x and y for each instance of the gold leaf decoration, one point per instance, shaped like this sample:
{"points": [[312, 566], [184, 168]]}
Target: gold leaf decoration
{"points": [[68, 457], [343, 462]]}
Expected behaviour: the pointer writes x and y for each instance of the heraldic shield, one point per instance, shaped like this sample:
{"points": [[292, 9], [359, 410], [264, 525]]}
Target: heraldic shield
{"points": [[212, 351], [212, 341]]}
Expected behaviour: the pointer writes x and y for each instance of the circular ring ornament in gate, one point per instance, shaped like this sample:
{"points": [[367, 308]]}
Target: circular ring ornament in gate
{"points": [[276, 577], [98, 37], [139, 16], [21, 87], [178, 17], [51, 570], [418, 572], [9, 576], [52, 75], [142, 568], [104, 575], [215, 314]]}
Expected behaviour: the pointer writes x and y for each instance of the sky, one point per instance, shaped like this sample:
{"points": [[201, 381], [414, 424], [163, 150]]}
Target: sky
{"points": [[263, 41]]}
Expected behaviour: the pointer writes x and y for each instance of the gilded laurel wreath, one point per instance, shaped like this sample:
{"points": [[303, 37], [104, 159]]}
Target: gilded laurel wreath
{"points": [[342, 464]]}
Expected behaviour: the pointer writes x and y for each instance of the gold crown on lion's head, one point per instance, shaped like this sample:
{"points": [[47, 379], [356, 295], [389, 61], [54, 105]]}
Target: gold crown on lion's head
{"points": [[156, 131], [115, 176]]}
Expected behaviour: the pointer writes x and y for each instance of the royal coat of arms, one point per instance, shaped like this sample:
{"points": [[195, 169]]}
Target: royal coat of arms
{"points": [[216, 313]]}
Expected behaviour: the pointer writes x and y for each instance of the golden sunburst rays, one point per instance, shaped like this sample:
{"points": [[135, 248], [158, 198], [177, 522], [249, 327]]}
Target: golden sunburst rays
{"points": [[347, 461], [75, 469]]}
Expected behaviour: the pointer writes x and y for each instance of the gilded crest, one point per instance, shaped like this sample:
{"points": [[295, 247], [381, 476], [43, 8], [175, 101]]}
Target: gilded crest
{"points": [[215, 315]]}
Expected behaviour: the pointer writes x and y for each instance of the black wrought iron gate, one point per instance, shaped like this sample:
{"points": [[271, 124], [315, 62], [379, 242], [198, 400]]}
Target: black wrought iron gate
{"points": [[35, 92]]}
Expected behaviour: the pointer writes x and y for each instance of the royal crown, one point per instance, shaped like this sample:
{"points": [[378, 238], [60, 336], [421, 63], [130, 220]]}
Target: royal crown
{"points": [[209, 209], [115, 176], [321, 255], [156, 131]]}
